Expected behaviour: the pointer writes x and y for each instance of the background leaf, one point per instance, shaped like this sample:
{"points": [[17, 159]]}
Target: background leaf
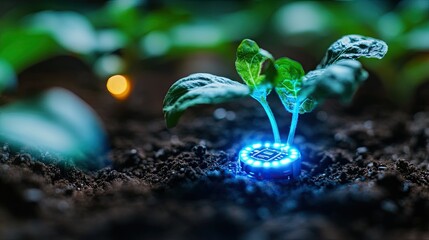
{"points": [[339, 74], [414, 73], [248, 64], [339, 80], [57, 121], [353, 47], [7, 76], [71, 30], [22, 47], [200, 88]]}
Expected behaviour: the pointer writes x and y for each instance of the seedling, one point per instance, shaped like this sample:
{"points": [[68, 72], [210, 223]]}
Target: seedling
{"points": [[337, 76]]}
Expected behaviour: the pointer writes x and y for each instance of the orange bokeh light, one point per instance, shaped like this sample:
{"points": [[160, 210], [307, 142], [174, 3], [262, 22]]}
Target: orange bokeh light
{"points": [[119, 86]]}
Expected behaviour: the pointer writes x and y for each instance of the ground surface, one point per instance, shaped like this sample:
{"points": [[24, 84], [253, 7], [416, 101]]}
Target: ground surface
{"points": [[364, 175]]}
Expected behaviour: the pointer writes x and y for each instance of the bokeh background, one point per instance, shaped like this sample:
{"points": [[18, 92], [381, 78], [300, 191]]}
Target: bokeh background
{"points": [[146, 45]]}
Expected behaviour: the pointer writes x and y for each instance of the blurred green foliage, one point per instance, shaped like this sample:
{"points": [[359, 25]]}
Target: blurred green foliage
{"points": [[404, 27], [113, 37]]}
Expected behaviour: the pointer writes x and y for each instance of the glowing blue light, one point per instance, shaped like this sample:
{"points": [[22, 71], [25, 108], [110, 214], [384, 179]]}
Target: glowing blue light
{"points": [[257, 145], [285, 161], [270, 160]]}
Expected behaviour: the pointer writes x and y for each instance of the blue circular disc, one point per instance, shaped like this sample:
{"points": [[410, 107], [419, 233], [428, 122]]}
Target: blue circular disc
{"points": [[270, 161]]}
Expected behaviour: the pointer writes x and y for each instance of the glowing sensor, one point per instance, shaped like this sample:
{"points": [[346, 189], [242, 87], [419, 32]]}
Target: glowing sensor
{"points": [[270, 161]]}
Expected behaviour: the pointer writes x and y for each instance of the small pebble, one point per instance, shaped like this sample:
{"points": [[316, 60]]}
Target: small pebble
{"points": [[263, 212], [406, 186], [219, 113], [361, 150], [175, 140], [250, 189], [382, 168], [368, 124], [389, 206], [63, 206], [33, 195], [159, 153], [230, 116], [5, 148], [199, 150], [322, 116], [290, 205]]}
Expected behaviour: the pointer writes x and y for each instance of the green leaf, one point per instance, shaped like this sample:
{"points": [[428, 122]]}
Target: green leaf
{"points": [[163, 20], [200, 88], [288, 101], [353, 47], [289, 74], [415, 72], [339, 80], [250, 59], [125, 18], [71, 30], [288, 83], [22, 47], [57, 121], [339, 74]]}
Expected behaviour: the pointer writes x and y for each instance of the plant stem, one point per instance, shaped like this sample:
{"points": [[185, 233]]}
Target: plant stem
{"points": [[294, 122], [264, 103]]}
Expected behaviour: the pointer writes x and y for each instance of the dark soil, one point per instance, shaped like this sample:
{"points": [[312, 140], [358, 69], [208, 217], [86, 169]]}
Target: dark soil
{"points": [[365, 175]]}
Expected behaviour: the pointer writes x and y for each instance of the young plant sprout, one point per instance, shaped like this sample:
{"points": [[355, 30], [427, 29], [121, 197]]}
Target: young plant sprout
{"points": [[337, 76]]}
